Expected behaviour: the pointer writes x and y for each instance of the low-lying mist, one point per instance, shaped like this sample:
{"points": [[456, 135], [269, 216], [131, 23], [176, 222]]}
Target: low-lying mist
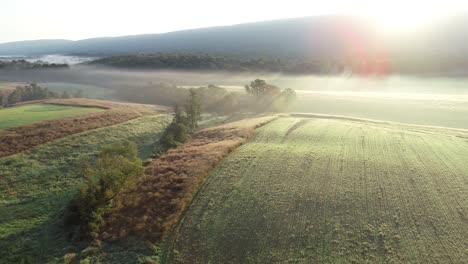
{"points": [[112, 78], [438, 101]]}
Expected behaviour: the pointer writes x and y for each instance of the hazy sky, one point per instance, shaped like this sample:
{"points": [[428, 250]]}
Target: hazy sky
{"points": [[79, 19]]}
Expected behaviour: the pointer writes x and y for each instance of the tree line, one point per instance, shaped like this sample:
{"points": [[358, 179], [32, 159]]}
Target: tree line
{"points": [[215, 99], [27, 65], [33, 92], [192, 61]]}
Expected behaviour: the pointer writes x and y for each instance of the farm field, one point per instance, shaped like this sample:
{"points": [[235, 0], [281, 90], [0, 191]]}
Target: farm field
{"points": [[28, 114], [316, 190], [36, 186], [446, 110]]}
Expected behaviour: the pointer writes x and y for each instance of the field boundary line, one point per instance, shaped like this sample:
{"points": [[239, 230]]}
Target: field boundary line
{"points": [[169, 242]]}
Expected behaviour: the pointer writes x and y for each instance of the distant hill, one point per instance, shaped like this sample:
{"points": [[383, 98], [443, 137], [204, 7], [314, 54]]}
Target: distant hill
{"points": [[316, 37], [311, 38], [34, 47]]}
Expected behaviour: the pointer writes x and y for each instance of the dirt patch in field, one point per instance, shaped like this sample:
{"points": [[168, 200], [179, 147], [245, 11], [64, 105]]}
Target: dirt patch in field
{"points": [[156, 203], [22, 138]]}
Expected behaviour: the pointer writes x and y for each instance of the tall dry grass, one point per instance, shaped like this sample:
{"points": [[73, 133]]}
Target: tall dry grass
{"points": [[151, 208]]}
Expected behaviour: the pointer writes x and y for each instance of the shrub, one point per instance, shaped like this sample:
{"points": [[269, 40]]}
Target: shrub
{"points": [[182, 125], [69, 258], [115, 169]]}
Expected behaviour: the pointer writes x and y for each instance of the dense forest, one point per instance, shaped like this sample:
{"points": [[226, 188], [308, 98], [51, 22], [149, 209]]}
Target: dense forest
{"points": [[192, 61], [357, 64], [26, 65]]}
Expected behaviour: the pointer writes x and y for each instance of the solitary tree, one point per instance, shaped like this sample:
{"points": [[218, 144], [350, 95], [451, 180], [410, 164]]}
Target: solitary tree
{"points": [[289, 95], [264, 93], [176, 132], [261, 89], [193, 110], [286, 99]]}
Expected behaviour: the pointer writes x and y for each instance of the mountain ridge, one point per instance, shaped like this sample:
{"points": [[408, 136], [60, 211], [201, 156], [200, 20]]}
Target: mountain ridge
{"points": [[326, 37]]}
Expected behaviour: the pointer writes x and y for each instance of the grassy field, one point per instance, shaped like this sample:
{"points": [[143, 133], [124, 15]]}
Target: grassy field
{"points": [[28, 114], [447, 110], [308, 190], [36, 186], [442, 107]]}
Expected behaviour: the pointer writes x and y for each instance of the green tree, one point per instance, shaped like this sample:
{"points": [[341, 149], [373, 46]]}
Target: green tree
{"points": [[264, 93], [177, 131], [193, 110], [179, 116], [261, 89], [15, 96], [284, 100], [289, 96], [116, 168], [28, 93]]}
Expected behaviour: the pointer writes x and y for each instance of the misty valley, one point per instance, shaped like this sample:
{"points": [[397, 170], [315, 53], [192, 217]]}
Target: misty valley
{"points": [[336, 138], [434, 101]]}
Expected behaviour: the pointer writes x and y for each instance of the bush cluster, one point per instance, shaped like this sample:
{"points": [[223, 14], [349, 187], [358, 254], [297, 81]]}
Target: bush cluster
{"points": [[183, 123], [116, 168], [269, 97]]}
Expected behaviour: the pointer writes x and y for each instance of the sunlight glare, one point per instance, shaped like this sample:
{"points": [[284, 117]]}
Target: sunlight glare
{"points": [[401, 15]]}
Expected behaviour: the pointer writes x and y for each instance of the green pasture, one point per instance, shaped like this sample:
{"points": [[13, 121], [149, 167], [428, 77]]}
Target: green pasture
{"points": [[28, 114]]}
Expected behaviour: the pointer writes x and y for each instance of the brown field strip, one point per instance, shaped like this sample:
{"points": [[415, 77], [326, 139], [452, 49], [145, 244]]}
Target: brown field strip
{"points": [[154, 206]]}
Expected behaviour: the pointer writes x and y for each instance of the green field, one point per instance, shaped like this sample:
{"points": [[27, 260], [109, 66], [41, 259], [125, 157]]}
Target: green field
{"points": [[28, 114], [35, 187], [447, 110], [308, 190]]}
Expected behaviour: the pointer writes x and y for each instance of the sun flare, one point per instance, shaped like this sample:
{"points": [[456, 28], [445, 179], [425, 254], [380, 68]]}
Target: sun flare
{"points": [[402, 15]]}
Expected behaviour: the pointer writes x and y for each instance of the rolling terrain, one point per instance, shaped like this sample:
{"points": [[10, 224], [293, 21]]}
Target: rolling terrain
{"points": [[37, 186], [331, 134], [318, 190], [22, 132]]}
